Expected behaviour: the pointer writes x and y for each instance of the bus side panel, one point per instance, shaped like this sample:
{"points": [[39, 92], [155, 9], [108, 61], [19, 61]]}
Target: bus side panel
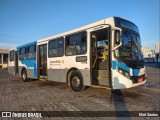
{"points": [[30, 73], [59, 67], [11, 70], [70, 62], [86, 77], [30, 66], [58, 75], [11, 67]]}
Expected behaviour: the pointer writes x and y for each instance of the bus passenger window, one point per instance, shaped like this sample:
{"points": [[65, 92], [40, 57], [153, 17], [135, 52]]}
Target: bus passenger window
{"points": [[31, 54], [56, 48], [76, 44], [22, 55]]}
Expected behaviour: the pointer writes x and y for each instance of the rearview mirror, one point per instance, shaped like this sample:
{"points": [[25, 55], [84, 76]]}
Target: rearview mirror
{"points": [[117, 37]]}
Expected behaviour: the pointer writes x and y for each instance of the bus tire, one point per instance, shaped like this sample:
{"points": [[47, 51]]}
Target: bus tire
{"points": [[24, 75], [76, 81]]}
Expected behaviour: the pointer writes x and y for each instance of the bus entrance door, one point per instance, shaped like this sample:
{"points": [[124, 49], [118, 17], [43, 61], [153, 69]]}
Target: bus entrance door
{"points": [[100, 57], [43, 60]]}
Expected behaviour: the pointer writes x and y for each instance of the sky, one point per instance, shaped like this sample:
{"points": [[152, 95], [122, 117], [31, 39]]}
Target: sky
{"points": [[23, 21]]}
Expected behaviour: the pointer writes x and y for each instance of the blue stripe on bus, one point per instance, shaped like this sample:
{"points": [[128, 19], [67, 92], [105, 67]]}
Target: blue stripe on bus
{"points": [[28, 63], [120, 65], [28, 44], [35, 70], [135, 72]]}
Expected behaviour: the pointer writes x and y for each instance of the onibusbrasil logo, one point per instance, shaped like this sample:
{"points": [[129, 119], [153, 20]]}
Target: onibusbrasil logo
{"points": [[21, 114]]}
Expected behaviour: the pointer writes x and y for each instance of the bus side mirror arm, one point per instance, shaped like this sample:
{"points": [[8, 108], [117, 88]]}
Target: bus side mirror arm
{"points": [[117, 46], [118, 37]]}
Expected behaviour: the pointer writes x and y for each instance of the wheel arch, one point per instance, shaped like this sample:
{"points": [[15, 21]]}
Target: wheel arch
{"points": [[69, 72]]}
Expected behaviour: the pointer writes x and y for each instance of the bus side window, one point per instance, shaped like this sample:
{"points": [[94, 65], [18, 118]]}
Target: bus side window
{"points": [[76, 44], [56, 48], [31, 52], [22, 55]]}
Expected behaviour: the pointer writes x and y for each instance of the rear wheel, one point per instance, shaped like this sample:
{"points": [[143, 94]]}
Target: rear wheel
{"points": [[24, 75], [76, 81]]}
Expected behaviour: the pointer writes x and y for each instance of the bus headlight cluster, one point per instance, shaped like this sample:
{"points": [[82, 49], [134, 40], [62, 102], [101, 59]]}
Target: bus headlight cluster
{"points": [[123, 72], [126, 74]]}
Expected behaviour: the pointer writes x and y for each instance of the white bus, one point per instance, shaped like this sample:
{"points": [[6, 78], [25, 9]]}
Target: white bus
{"points": [[104, 53]]}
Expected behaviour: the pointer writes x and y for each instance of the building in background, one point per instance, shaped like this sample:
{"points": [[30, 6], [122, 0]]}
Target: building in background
{"points": [[157, 54], [157, 48], [147, 52], [4, 58], [151, 55]]}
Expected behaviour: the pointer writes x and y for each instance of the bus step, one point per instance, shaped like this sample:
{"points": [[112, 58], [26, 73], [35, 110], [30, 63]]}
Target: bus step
{"points": [[41, 79], [103, 81], [102, 78], [103, 73], [103, 87]]}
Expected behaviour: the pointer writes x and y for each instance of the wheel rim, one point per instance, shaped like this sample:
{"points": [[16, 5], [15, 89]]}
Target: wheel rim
{"points": [[76, 81]]}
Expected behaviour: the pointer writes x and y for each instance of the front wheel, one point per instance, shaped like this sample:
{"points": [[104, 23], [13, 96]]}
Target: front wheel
{"points": [[76, 81], [24, 76]]}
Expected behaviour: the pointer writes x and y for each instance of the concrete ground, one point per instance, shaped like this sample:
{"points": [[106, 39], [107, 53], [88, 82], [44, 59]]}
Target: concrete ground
{"points": [[16, 95]]}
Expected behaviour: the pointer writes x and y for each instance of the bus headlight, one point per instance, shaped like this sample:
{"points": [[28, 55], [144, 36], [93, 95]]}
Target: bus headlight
{"points": [[120, 71], [126, 74], [123, 72]]}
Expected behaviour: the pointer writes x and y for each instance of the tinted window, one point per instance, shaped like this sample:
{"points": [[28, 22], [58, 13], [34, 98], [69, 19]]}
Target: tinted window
{"points": [[23, 51], [22, 55], [31, 49], [76, 44], [131, 47], [126, 24], [56, 48], [31, 54]]}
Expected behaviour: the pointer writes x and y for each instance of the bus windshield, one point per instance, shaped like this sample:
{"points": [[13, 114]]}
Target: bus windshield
{"points": [[131, 43], [131, 46]]}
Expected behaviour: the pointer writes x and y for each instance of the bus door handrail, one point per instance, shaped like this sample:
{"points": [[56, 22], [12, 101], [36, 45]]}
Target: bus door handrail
{"points": [[117, 46], [95, 61]]}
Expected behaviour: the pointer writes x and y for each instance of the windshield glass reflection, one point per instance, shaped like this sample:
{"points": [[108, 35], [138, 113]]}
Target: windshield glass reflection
{"points": [[131, 46]]}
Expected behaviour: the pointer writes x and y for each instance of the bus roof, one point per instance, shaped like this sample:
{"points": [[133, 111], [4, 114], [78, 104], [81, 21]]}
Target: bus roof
{"points": [[109, 21], [28, 44]]}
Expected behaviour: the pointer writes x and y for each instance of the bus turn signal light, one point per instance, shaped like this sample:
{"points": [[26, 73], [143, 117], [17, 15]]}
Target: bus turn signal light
{"points": [[140, 80]]}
